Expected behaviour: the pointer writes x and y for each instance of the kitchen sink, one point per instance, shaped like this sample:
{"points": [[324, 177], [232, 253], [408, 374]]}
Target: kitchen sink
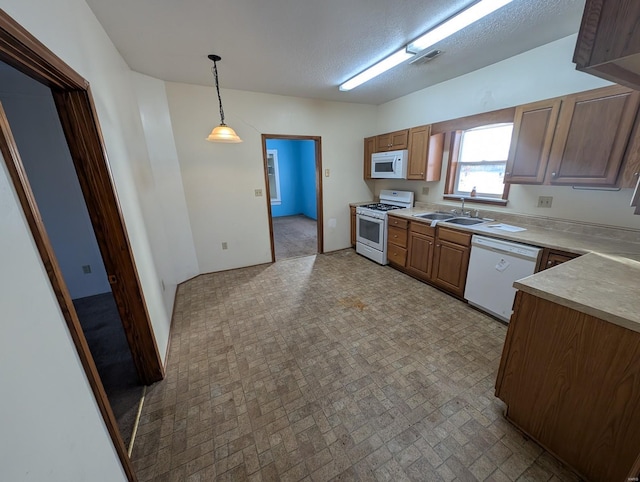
{"points": [[435, 216], [466, 221]]}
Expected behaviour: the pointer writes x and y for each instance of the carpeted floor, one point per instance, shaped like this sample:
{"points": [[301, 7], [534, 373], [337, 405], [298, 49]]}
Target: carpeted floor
{"points": [[295, 236], [108, 345]]}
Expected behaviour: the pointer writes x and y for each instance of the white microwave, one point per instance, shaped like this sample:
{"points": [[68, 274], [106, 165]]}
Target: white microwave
{"points": [[389, 165]]}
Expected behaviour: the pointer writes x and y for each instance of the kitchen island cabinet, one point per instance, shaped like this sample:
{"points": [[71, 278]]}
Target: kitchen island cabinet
{"points": [[570, 368]]}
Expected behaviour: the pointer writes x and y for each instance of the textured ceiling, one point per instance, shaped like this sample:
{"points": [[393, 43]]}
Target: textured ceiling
{"points": [[306, 48]]}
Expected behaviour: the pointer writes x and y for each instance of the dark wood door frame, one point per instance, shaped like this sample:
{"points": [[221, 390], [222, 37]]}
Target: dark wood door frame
{"points": [[317, 140], [72, 96]]}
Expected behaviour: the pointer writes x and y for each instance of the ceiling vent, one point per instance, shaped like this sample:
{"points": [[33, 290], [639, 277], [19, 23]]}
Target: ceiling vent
{"points": [[429, 56]]}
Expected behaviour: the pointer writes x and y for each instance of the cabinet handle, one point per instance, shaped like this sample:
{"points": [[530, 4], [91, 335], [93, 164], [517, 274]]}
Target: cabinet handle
{"points": [[395, 235], [636, 174], [549, 263], [507, 173], [553, 174]]}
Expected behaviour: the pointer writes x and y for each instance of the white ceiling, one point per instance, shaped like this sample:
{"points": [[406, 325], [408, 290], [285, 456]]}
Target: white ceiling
{"points": [[306, 48]]}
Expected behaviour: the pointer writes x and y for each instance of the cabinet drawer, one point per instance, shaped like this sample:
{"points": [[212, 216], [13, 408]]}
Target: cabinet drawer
{"points": [[397, 236], [398, 222], [396, 254], [458, 237], [422, 228]]}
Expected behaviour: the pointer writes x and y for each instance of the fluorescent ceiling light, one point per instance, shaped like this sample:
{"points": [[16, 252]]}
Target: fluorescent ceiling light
{"points": [[376, 69], [454, 24]]}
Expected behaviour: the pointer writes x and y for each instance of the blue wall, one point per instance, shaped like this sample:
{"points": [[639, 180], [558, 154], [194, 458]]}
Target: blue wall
{"points": [[297, 170]]}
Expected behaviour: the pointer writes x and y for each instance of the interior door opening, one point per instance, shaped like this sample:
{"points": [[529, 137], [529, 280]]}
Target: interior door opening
{"points": [[29, 108], [293, 168]]}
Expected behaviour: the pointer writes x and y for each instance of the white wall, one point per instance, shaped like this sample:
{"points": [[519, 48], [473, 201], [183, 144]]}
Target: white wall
{"points": [[220, 179], [51, 427], [173, 240], [31, 112], [66, 434], [541, 73]]}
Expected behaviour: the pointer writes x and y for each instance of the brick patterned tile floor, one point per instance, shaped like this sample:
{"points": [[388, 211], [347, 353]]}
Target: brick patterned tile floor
{"points": [[330, 367]]}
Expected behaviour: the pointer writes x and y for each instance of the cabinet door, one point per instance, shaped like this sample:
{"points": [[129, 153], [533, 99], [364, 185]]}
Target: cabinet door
{"points": [[553, 257], [450, 265], [420, 255], [353, 226], [533, 128], [591, 137], [392, 141], [425, 154], [369, 148]]}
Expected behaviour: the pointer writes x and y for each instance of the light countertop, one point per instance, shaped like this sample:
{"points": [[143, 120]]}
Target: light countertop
{"points": [[605, 282]]}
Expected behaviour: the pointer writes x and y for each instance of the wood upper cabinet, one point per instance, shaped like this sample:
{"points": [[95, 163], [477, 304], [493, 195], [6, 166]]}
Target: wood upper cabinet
{"points": [[451, 260], [369, 148], [425, 154], [591, 137], [533, 128], [608, 43], [420, 256], [392, 141]]}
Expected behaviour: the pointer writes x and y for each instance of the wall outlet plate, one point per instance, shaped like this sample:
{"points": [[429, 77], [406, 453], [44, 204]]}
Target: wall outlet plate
{"points": [[425, 190], [224, 245], [545, 201], [258, 192], [86, 269]]}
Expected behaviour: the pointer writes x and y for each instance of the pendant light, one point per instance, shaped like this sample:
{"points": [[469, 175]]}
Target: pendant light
{"points": [[222, 133]]}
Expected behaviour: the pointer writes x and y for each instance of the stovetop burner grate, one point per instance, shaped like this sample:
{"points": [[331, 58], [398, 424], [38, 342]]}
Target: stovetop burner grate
{"points": [[381, 207]]}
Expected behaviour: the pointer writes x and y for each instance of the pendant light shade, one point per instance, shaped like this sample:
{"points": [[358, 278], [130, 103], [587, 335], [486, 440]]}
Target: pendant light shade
{"points": [[222, 133]]}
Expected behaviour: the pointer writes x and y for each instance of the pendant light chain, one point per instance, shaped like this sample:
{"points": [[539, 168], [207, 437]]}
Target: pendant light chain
{"points": [[215, 74]]}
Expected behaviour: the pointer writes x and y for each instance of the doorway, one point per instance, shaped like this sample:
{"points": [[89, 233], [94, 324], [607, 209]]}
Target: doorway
{"points": [[76, 111], [29, 108], [293, 177]]}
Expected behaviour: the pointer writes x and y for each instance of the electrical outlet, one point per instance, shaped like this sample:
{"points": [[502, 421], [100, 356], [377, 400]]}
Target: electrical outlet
{"points": [[258, 192], [224, 245], [86, 269], [425, 190], [545, 201]]}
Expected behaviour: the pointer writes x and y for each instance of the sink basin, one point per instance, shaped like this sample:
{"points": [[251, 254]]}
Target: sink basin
{"points": [[466, 221], [435, 216]]}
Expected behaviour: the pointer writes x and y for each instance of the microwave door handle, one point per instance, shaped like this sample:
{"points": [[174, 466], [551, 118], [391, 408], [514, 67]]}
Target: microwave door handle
{"points": [[395, 160]]}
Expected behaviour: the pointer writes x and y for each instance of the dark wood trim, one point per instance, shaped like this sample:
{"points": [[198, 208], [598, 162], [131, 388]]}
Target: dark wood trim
{"points": [[81, 128], [21, 50], [485, 118], [27, 54], [25, 195], [268, 196], [452, 165], [319, 194]]}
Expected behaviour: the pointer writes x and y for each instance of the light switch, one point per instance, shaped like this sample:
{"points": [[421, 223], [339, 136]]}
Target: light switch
{"points": [[326, 173]]}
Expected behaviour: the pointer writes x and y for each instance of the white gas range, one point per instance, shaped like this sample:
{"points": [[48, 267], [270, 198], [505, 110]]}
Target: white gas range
{"points": [[371, 223]]}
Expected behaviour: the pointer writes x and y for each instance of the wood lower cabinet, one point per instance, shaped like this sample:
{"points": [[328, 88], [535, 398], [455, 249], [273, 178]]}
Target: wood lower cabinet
{"points": [[554, 257], [591, 137], [397, 241], [571, 381], [451, 260], [392, 141], [420, 255], [533, 128], [353, 225]]}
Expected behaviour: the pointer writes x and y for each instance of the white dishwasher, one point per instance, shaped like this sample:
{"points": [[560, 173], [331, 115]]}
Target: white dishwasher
{"points": [[493, 267]]}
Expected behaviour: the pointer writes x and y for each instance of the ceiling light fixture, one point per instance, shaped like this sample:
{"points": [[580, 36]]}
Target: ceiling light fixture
{"points": [[456, 23], [222, 133]]}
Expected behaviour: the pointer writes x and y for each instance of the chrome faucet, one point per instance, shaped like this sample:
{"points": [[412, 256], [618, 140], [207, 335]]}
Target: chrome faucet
{"points": [[462, 211]]}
